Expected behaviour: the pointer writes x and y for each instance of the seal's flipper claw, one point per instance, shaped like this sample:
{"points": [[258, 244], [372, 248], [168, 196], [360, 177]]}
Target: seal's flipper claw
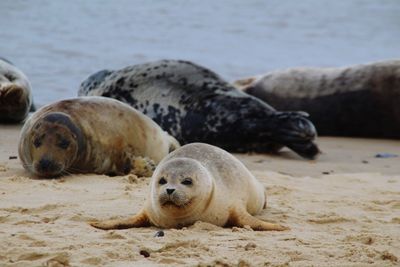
{"points": [[139, 220]]}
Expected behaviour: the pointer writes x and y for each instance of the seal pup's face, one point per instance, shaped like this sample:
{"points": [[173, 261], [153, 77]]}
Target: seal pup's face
{"points": [[53, 144], [181, 187]]}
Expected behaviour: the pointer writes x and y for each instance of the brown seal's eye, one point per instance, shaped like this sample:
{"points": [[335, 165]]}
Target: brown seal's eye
{"points": [[63, 144], [162, 181], [37, 142], [187, 181]]}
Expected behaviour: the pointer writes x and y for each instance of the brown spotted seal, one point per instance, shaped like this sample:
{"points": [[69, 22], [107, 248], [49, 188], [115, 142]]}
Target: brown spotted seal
{"points": [[194, 104], [199, 182], [360, 100], [92, 134], [15, 93]]}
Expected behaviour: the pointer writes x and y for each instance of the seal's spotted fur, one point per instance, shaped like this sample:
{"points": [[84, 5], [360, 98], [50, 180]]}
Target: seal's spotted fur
{"points": [[194, 104]]}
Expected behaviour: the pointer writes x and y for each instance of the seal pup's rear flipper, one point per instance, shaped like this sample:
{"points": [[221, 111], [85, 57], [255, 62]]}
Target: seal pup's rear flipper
{"points": [[139, 220], [242, 217]]}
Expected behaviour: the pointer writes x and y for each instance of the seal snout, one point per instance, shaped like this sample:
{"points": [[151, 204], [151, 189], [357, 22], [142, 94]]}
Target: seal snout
{"points": [[294, 126], [305, 128], [47, 168], [170, 190]]}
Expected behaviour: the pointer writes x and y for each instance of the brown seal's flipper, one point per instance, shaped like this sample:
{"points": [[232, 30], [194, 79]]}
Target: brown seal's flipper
{"points": [[139, 220], [241, 218], [143, 166]]}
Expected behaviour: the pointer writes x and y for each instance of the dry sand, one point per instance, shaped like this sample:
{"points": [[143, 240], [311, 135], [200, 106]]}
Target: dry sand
{"points": [[343, 210]]}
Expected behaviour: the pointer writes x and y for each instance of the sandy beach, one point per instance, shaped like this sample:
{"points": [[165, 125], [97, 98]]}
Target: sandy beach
{"points": [[343, 210]]}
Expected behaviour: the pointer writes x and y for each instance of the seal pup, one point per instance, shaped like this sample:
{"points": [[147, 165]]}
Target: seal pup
{"points": [[194, 104], [199, 182], [15, 93], [360, 100], [92, 134]]}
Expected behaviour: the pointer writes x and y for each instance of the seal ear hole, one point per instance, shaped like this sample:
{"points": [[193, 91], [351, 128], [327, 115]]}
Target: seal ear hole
{"points": [[187, 181], [162, 181]]}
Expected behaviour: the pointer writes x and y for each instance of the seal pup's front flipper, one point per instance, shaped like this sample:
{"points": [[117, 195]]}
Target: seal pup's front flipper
{"points": [[241, 218], [139, 220]]}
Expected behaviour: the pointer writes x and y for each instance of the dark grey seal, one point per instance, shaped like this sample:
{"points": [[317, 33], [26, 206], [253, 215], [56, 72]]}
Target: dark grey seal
{"points": [[194, 104], [359, 100], [15, 93]]}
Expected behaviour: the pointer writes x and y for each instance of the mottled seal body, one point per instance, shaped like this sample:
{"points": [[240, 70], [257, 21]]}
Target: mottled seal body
{"points": [[195, 105], [15, 93], [92, 134], [359, 100], [199, 182]]}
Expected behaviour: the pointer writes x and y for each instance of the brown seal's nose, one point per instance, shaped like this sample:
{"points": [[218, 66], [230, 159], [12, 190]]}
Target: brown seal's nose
{"points": [[46, 166], [170, 191]]}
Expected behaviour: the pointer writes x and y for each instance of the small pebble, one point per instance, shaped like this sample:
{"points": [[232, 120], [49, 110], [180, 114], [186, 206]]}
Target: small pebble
{"points": [[144, 253], [159, 234], [365, 161], [12, 157], [250, 246]]}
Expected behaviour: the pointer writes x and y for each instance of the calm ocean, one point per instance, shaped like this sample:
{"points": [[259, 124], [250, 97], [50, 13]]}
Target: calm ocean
{"points": [[59, 43]]}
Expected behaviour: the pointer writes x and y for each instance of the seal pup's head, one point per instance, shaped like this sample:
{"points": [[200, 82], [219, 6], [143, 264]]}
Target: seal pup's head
{"points": [[181, 187], [52, 145]]}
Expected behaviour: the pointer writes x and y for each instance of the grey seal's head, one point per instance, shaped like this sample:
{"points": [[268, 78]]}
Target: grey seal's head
{"points": [[51, 146], [181, 187]]}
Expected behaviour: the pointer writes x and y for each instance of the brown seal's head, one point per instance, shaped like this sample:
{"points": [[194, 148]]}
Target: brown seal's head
{"points": [[53, 144], [181, 187]]}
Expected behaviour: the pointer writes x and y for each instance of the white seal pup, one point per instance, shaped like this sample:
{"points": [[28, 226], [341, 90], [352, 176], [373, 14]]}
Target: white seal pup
{"points": [[199, 182]]}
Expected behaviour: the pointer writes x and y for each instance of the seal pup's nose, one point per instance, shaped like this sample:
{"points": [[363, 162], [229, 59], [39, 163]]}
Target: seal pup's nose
{"points": [[170, 191]]}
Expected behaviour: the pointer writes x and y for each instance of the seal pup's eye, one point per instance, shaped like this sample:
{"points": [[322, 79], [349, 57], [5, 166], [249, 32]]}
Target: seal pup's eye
{"points": [[187, 181], [162, 181], [63, 144]]}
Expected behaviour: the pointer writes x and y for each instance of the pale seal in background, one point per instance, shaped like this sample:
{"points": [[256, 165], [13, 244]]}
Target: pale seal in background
{"points": [[194, 104], [92, 135], [15, 93], [360, 100], [199, 182]]}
